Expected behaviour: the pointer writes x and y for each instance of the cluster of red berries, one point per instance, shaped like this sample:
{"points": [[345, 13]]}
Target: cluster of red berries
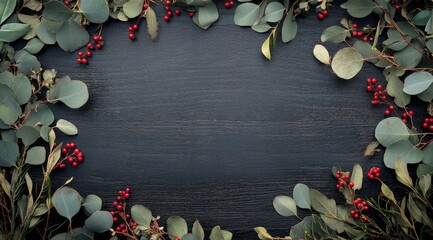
{"points": [[428, 123], [132, 30], [168, 13], [321, 15], [407, 115], [379, 94], [71, 154], [360, 206], [374, 173], [229, 4], [356, 32], [120, 213], [83, 56], [343, 179]]}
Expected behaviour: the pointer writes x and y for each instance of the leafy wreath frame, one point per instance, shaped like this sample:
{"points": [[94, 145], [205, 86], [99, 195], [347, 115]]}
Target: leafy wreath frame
{"points": [[25, 117]]}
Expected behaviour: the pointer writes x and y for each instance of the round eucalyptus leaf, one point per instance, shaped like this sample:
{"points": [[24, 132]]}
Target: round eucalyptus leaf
{"points": [[246, 14], [10, 32], [359, 8], [7, 78], [7, 9], [417, 82], [40, 115], [198, 230], [409, 57], [334, 34], [274, 12], [34, 45], [91, 204], [423, 169], [422, 17], [285, 206], [9, 153], [45, 34], [428, 154], [28, 135], [427, 95], [9, 108], [67, 202], [67, 127], [176, 227], [36, 155], [322, 54], [45, 131], [71, 36], [207, 15], [141, 215], [132, 8], [82, 234], [28, 62], [403, 150], [347, 62], [56, 11], [74, 94], [22, 88], [97, 11], [99, 221], [301, 195], [391, 130]]}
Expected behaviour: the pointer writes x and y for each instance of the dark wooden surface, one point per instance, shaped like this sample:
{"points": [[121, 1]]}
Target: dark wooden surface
{"points": [[199, 124]]}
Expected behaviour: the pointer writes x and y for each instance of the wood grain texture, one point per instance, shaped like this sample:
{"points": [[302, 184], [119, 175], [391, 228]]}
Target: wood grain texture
{"points": [[200, 125]]}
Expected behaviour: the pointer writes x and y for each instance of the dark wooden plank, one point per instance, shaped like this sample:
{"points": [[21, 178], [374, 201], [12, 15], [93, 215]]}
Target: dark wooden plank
{"points": [[200, 125]]}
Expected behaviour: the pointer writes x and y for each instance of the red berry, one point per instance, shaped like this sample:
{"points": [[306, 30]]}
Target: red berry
{"points": [[130, 29], [84, 61], [127, 190], [90, 46], [365, 39], [387, 113], [425, 125], [391, 108], [320, 16], [131, 36], [404, 115], [337, 186], [145, 6], [70, 159], [115, 220], [177, 12], [356, 216], [64, 150], [431, 128], [169, 13], [126, 195], [98, 46], [128, 216], [360, 33], [369, 88], [168, 3], [76, 151], [67, 3], [191, 14], [114, 203], [100, 38], [351, 184], [80, 54], [135, 26], [80, 159], [352, 212], [373, 80], [176, 238], [371, 38], [354, 34], [62, 165], [325, 13], [232, 3], [355, 25], [74, 164], [167, 9], [404, 120], [119, 198], [88, 54], [411, 113], [95, 38], [166, 18], [227, 5], [119, 207]]}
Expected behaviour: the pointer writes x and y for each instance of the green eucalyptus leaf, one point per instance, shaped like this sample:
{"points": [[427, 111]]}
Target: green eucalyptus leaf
{"points": [[274, 12], [366, 51], [391, 130], [82, 234], [218, 234], [99, 221], [22, 88], [11, 32], [285, 206], [10, 110], [56, 11], [198, 231], [425, 184], [422, 17], [73, 94], [206, 15], [334, 34], [427, 95], [9, 153], [409, 57], [423, 169], [45, 34], [403, 150], [91, 204], [66, 127], [96, 11], [28, 135], [141, 215], [261, 27], [347, 62], [395, 89], [322, 204], [246, 14], [6, 9], [67, 202], [34, 45], [176, 227], [189, 236], [36, 155], [417, 82], [263, 233], [359, 8], [395, 40], [301, 195], [289, 28], [132, 8], [45, 131], [27, 62], [428, 154], [71, 36], [40, 115], [8, 135]]}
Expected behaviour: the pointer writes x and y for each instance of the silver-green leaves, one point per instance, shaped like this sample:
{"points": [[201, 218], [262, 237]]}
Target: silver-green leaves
{"points": [[9, 153], [176, 227], [67, 202], [99, 221], [347, 62], [391, 130], [71, 36], [96, 11]]}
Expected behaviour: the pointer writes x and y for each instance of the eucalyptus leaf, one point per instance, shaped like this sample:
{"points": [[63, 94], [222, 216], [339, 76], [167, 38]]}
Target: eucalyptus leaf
{"points": [[246, 14], [11, 32], [39, 114], [427, 157], [36, 155], [141, 215], [395, 89], [289, 28], [45, 34], [34, 45], [301, 195], [388, 193], [322, 204], [96, 11], [391, 130], [91, 204], [266, 48], [132, 8], [422, 17], [322, 54], [410, 56], [152, 24], [73, 94], [28, 135], [56, 11], [67, 202], [285, 206], [359, 8], [6, 9], [417, 82], [207, 15], [99, 221], [197, 230], [356, 177], [9, 153], [403, 150], [402, 173], [274, 12], [9, 109], [334, 34], [347, 62], [176, 227], [71, 36], [425, 184], [189, 236], [66, 127]]}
